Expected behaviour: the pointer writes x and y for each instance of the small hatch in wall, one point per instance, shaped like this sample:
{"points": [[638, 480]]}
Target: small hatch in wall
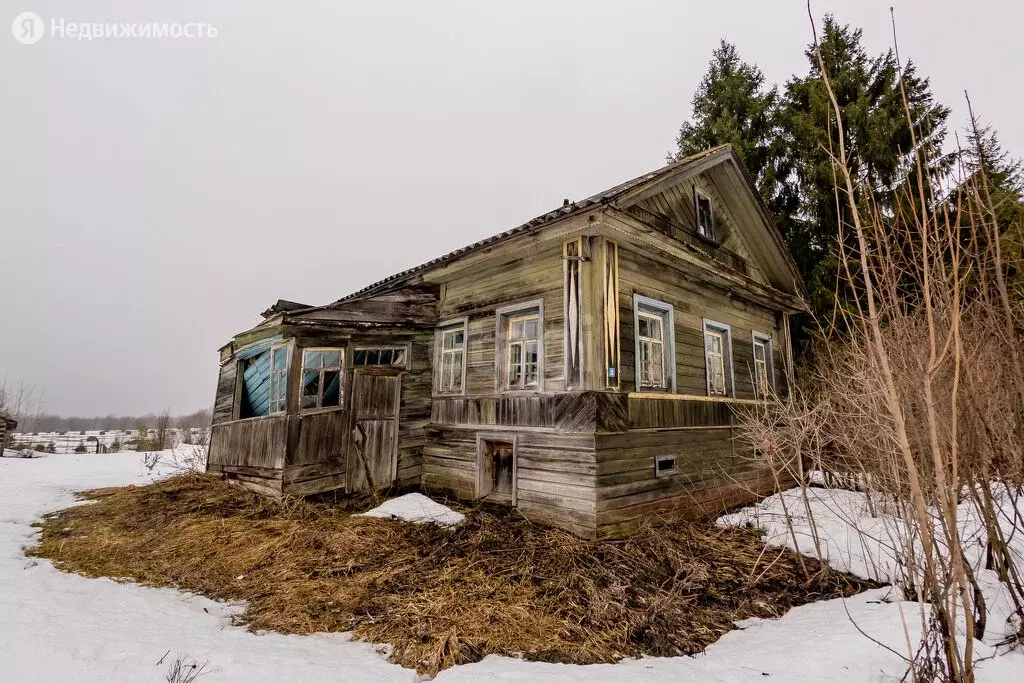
{"points": [[665, 465]]}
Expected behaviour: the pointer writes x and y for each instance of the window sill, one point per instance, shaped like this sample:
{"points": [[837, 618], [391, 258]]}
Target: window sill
{"points": [[448, 394], [710, 241], [316, 411]]}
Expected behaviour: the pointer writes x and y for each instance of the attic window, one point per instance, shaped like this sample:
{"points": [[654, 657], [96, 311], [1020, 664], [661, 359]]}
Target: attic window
{"points": [[705, 216]]}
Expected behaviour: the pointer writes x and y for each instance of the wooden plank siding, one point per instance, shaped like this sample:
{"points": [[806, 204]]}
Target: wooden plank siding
{"points": [[692, 302], [477, 296], [554, 472], [716, 472]]}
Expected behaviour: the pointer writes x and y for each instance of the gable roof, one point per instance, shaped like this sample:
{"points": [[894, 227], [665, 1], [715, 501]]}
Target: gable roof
{"points": [[620, 195]]}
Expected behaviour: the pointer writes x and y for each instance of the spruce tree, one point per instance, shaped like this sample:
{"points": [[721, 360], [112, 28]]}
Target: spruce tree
{"points": [[733, 106], [879, 141]]}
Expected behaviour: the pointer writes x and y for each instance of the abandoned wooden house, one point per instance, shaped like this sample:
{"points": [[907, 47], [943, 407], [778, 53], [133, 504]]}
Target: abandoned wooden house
{"points": [[585, 367]]}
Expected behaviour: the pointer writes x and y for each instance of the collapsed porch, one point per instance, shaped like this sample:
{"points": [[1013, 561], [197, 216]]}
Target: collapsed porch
{"points": [[315, 400]]}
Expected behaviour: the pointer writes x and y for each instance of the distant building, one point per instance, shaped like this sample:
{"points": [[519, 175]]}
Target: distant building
{"points": [[7, 426]]}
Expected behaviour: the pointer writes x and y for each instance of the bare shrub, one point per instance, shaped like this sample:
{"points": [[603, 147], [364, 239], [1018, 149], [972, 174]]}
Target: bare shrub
{"points": [[917, 395], [184, 669]]}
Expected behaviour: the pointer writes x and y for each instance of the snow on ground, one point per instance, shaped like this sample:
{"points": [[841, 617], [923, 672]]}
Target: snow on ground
{"points": [[56, 626], [417, 508], [855, 535]]}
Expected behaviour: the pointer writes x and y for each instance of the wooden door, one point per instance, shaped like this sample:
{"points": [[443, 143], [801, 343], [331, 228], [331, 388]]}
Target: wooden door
{"points": [[373, 453], [496, 473]]}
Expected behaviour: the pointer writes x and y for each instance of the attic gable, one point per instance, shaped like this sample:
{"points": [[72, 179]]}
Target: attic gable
{"points": [[744, 237]]}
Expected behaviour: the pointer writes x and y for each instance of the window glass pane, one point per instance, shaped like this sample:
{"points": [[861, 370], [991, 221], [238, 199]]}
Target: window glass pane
{"points": [[460, 338], [515, 361], [457, 370], [332, 358], [280, 358], [312, 360], [517, 328], [331, 388], [532, 365], [310, 385], [530, 328], [643, 326], [307, 402], [373, 357], [359, 358], [385, 357], [655, 328]]}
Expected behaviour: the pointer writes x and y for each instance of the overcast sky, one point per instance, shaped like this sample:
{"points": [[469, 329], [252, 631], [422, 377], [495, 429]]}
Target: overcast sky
{"points": [[156, 195]]}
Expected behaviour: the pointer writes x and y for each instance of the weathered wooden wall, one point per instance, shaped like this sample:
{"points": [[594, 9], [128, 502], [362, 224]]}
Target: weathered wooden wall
{"points": [[554, 473], [716, 469], [252, 451], [317, 453], [224, 403], [692, 301], [478, 295]]}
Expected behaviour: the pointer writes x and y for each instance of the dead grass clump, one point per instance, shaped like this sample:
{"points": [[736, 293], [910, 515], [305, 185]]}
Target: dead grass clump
{"points": [[497, 584]]}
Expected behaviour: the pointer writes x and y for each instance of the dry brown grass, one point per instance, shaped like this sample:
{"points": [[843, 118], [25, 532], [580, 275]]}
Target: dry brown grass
{"points": [[495, 585]]}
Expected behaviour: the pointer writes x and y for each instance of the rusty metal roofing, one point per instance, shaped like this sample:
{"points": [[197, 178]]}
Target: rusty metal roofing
{"points": [[563, 211]]}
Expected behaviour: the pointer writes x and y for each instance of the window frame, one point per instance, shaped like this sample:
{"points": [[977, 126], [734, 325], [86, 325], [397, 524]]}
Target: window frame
{"points": [[727, 358], [282, 399], [503, 316], [441, 330], [711, 234], [341, 370], [765, 340], [654, 308], [658, 459], [405, 348]]}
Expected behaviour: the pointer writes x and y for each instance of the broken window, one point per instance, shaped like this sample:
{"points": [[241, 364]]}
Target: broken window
{"points": [[262, 379], [763, 384], [321, 378], [705, 216], [384, 356], [718, 358], [452, 361]]}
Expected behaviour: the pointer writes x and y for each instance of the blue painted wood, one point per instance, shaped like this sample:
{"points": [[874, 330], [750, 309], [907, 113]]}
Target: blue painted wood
{"points": [[257, 384], [253, 350]]}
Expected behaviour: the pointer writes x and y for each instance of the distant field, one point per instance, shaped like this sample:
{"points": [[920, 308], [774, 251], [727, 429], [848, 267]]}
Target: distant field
{"points": [[66, 442]]}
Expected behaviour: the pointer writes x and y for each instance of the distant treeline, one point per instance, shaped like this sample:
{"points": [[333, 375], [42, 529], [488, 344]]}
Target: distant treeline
{"points": [[56, 423]]}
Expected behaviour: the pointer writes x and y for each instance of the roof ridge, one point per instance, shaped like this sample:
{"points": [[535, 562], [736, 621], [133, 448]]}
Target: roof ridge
{"points": [[563, 211]]}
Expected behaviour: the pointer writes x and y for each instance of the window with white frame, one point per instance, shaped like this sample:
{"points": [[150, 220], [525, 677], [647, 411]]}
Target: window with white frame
{"points": [[705, 215], [521, 346], [451, 362], [278, 378], [718, 358], [655, 358], [321, 378], [763, 375]]}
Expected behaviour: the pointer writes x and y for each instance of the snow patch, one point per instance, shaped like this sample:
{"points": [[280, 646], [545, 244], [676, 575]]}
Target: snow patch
{"points": [[416, 508]]}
